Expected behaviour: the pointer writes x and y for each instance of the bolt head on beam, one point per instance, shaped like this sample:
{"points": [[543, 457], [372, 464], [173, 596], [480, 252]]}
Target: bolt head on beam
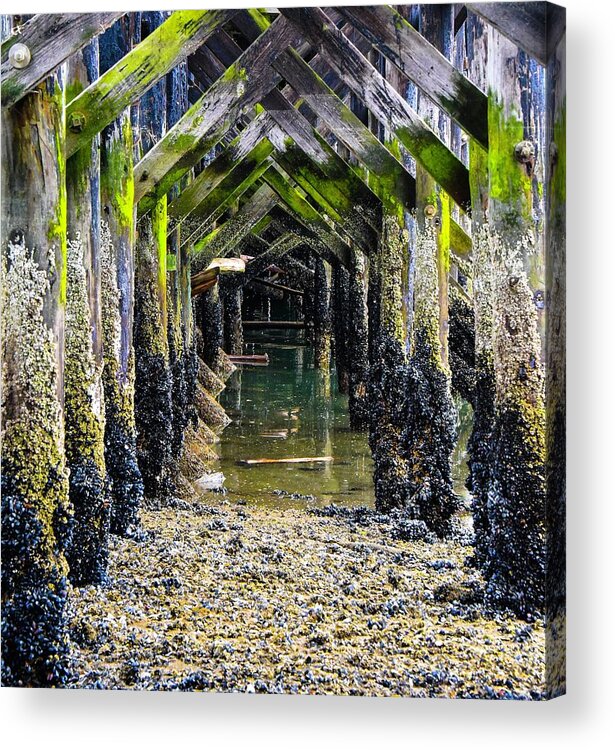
{"points": [[19, 56]]}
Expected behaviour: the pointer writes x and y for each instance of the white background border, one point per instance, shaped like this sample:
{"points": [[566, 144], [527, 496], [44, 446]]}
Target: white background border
{"points": [[71, 719]]}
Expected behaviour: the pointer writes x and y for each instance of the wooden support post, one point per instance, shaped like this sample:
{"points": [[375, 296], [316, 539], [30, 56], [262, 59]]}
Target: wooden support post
{"points": [[117, 290], [555, 634], [322, 319], [357, 342], [153, 405], [231, 294], [36, 513], [429, 437], [182, 357], [515, 566], [341, 328], [83, 364], [212, 328]]}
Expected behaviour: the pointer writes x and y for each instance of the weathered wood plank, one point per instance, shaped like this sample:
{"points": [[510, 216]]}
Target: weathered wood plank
{"points": [[420, 61], [461, 242], [51, 39], [242, 86], [384, 101], [130, 78], [534, 27]]}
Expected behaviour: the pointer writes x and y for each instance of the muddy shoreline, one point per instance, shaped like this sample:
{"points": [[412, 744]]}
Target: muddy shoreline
{"points": [[232, 597]]}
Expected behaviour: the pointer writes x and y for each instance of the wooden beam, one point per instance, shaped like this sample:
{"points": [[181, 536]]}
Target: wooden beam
{"points": [[242, 86], [461, 242], [276, 324], [421, 62], [280, 287], [384, 101], [203, 280], [534, 27], [269, 254], [134, 74], [51, 39]]}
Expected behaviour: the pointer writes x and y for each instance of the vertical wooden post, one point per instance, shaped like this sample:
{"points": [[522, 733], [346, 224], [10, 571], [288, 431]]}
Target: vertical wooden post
{"points": [[83, 388], [231, 294], [322, 319], [117, 289], [35, 509], [181, 355], [388, 366], [515, 567], [212, 329], [556, 371], [429, 437], [153, 382], [480, 444], [357, 342], [341, 326]]}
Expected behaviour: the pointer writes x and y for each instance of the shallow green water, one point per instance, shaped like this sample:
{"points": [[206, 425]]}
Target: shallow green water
{"points": [[286, 410]]}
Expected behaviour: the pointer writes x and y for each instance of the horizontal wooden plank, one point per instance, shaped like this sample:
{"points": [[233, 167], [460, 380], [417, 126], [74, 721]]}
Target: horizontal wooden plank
{"points": [[242, 86], [51, 39], [461, 242], [422, 63], [385, 102], [137, 71]]}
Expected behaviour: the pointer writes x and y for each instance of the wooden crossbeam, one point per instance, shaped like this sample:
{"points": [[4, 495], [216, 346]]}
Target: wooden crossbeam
{"points": [[243, 85], [51, 38], [269, 253], [385, 102], [461, 242], [200, 282], [420, 61], [535, 27], [137, 71], [221, 241]]}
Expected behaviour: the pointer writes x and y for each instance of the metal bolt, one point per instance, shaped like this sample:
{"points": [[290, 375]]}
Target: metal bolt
{"points": [[19, 56], [524, 152], [76, 122], [429, 210]]}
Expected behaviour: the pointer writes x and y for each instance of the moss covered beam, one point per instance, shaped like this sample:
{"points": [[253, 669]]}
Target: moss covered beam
{"points": [[36, 514], [241, 87], [83, 365], [424, 64], [384, 101], [97, 106], [51, 38]]}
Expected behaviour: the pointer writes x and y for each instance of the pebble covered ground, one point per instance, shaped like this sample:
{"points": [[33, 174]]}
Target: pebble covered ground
{"points": [[223, 596]]}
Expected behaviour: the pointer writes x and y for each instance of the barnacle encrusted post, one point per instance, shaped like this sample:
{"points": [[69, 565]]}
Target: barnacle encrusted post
{"points": [[181, 357], [153, 404], [36, 515], [322, 319], [555, 635], [340, 282], [84, 409], [515, 565], [232, 295], [357, 342], [429, 435], [212, 328], [388, 366], [117, 290]]}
